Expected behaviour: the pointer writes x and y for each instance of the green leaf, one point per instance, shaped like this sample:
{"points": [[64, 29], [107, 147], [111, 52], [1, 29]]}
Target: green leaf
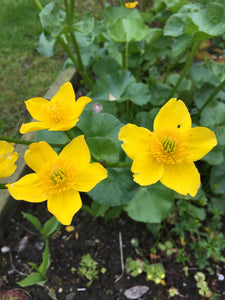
{"points": [[54, 137], [128, 30], [217, 179], [33, 220], [100, 125], [46, 47], [181, 43], [146, 119], [117, 189], [33, 278], [153, 36], [174, 26], [103, 149], [136, 92], [85, 24], [114, 84], [213, 115], [105, 66], [214, 157], [45, 260], [50, 226], [150, 204], [160, 93], [200, 74], [114, 212], [52, 19], [97, 209]]}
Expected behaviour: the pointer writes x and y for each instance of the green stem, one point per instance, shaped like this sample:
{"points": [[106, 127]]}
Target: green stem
{"points": [[117, 165], [69, 134], [2, 186], [71, 11], [70, 54], [125, 64], [38, 3], [25, 142], [186, 67], [67, 12], [211, 97]]}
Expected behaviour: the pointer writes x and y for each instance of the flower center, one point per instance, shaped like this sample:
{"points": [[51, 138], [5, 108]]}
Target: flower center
{"points": [[57, 176], [55, 112], [168, 146]]}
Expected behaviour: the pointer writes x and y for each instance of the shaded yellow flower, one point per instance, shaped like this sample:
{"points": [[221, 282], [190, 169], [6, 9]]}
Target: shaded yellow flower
{"points": [[131, 4], [59, 114], [7, 159], [168, 153], [58, 178]]}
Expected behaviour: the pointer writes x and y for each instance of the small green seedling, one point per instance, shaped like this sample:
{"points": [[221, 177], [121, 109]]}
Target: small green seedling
{"points": [[88, 268]]}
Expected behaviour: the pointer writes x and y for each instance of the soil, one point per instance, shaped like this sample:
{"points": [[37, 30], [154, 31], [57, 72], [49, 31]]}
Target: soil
{"points": [[101, 240]]}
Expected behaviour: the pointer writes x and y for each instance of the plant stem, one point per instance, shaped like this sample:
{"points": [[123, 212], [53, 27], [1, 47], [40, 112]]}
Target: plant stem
{"points": [[2, 186], [67, 12], [69, 134], [70, 54], [25, 142], [219, 87], [125, 59], [38, 3], [71, 11], [186, 67]]}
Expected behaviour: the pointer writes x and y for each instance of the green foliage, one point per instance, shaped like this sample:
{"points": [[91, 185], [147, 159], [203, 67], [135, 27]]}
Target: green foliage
{"points": [[50, 226], [88, 268]]}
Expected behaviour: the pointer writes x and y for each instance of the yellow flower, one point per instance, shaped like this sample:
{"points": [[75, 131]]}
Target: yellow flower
{"points": [[59, 114], [168, 153], [58, 178], [131, 4], [7, 159]]}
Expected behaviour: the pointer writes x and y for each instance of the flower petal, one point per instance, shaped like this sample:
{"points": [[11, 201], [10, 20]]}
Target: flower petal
{"points": [[200, 141], [183, 178], [64, 205], [63, 125], [146, 169], [33, 126], [78, 151], [38, 155], [7, 166], [37, 108], [174, 114], [79, 106], [27, 188], [65, 95], [88, 177], [135, 139]]}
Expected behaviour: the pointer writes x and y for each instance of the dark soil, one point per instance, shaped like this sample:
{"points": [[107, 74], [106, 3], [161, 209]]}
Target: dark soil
{"points": [[101, 240]]}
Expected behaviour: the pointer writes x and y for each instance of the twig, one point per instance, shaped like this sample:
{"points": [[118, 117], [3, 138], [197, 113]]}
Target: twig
{"points": [[121, 257]]}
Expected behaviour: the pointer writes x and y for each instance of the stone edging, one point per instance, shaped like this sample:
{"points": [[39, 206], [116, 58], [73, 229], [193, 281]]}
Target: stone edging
{"points": [[7, 204]]}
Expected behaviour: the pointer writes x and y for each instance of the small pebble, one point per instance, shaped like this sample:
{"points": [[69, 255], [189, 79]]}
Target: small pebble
{"points": [[60, 290], [5, 249], [220, 277]]}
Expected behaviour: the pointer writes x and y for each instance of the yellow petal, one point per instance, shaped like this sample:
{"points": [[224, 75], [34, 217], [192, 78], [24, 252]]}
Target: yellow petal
{"points": [[87, 178], [131, 5], [135, 139], [7, 159], [5, 147], [33, 126], [79, 105], [174, 114], [64, 205], [78, 151], [200, 141], [63, 125], [146, 169], [38, 155], [183, 178], [65, 95], [7, 166], [27, 188], [37, 108]]}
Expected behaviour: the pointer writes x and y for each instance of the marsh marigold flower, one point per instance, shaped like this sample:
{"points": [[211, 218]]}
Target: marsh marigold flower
{"points": [[168, 153], [131, 4], [7, 159], [59, 114], [58, 178]]}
